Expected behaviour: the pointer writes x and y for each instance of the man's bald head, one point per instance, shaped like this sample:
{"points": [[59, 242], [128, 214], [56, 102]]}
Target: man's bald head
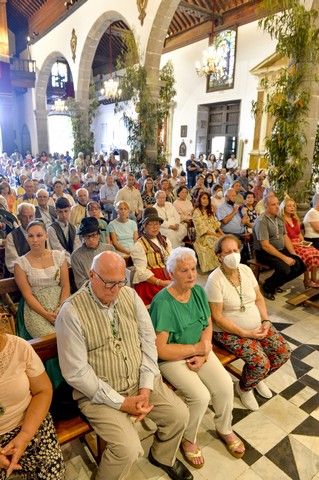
{"points": [[107, 276], [106, 262]]}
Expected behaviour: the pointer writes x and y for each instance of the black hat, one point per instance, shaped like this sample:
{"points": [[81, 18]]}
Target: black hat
{"points": [[62, 202], [88, 225], [150, 214]]}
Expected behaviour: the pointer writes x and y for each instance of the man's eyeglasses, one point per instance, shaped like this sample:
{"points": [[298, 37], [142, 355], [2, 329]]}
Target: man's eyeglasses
{"points": [[111, 285], [91, 235]]}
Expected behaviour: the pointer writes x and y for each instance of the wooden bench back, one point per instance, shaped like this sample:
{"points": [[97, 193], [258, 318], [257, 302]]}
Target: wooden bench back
{"points": [[8, 285], [46, 347]]}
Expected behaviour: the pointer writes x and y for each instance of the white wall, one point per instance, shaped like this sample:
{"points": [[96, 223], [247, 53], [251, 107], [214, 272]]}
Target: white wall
{"points": [[60, 133], [109, 129], [253, 46]]}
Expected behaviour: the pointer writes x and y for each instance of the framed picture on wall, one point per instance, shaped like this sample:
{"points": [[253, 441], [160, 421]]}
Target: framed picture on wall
{"points": [[224, 53], [184, 131]]}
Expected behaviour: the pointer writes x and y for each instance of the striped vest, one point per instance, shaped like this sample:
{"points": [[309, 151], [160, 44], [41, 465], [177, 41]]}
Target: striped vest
{"points": [[119, 367], [154, 259]]}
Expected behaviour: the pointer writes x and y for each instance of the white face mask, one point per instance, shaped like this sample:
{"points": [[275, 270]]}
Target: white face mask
{"points": [[232, 260], [219, 194]]}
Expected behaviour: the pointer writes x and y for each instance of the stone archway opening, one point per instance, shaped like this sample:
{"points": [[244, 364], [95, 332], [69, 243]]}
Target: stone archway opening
{"points": [[91, 44], [104, 44], [47, 91]]}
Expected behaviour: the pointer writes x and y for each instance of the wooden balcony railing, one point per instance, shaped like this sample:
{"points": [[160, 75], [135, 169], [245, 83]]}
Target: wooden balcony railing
{"points": [[22, 65], [22, 74]]}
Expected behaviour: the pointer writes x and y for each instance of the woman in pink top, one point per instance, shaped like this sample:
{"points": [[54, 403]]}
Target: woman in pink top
{"points": [[28, 440]]}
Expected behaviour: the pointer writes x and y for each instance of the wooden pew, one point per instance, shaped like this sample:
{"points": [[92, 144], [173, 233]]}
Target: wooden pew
{"points": [[226, 359], [257, 267], [73, 428]]}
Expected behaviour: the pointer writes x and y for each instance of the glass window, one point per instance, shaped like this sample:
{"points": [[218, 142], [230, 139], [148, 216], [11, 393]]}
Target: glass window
{"points": [[224, 53], [59, 74]]}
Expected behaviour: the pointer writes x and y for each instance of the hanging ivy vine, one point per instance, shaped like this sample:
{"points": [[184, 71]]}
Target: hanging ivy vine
{"points": [[288, 96], [81, 121], [146, 121]]}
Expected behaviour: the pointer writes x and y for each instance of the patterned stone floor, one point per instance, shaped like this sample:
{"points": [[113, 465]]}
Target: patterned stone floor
{"points": [[281, 438]]}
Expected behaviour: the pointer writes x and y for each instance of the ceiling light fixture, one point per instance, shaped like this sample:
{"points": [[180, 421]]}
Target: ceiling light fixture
{"points": [[111, 88], [59, 106]]}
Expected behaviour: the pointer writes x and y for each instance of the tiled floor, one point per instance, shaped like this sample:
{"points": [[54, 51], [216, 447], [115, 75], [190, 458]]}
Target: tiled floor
{"points": [[281, 438]]}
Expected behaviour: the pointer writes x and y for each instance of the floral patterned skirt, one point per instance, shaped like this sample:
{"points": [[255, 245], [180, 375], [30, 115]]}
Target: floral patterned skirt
{"points": [[43, 457]]}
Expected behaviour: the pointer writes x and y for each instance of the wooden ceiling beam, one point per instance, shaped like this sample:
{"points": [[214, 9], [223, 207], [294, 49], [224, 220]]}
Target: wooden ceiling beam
{"points": [[236, 17], [194, 10]]}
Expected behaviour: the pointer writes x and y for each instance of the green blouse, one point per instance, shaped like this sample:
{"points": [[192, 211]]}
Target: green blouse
{"points": [[184, 322]]}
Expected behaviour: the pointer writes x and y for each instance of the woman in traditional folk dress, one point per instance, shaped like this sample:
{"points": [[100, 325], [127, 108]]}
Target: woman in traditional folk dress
{"points": [[207, 229], [43, 278], [149, 256]]}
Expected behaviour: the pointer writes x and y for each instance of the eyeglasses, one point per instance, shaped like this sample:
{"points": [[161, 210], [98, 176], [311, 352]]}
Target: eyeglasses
{"points": [[111, 285], [91, 235]]}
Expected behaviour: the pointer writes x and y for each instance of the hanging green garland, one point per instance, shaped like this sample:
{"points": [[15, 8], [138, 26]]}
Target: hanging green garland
{"points": [[81, 121], [148, 119], [288, 96]]}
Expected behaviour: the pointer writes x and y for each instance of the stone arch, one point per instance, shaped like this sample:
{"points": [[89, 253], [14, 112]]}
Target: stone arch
{"points": [[156, 41], [89, 48], [40, 100]]}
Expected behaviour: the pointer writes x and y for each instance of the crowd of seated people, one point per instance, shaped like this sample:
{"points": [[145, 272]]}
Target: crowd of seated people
{"points": [[92, 214]]}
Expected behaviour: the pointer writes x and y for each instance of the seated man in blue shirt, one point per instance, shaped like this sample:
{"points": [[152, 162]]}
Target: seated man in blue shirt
{"points": [[231, 220], [229, 216]]}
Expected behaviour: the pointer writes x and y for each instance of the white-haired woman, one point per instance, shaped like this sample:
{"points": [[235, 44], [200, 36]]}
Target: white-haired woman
{"points": [[181, 318], [171, 227]]}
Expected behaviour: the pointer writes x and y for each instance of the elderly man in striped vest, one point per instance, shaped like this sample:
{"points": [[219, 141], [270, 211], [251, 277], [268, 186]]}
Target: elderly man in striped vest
{"points": [[107, 353]]}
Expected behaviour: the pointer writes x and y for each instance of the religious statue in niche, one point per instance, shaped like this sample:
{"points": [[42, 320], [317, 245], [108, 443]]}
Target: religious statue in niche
{"points": [[182, 149], [73, 44], [224, 52], [141, 5]]}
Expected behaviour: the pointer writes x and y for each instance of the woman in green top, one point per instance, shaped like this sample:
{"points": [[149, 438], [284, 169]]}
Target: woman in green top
{"points": [[181, 318]]}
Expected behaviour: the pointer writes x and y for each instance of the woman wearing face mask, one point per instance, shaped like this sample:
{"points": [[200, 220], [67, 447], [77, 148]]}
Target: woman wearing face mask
{"points": [[241, 322], [217, 198], [209, 181]]}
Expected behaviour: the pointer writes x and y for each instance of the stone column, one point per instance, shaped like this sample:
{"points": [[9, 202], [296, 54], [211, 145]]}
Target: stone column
{"points": [[41, 118], [153, 54], [6, 95], [4, 36], [310, 127]]}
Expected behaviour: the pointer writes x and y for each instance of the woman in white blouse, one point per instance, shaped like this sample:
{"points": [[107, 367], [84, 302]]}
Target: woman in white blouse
{"points": [[171, 227], [183, 205], [43, 279]]}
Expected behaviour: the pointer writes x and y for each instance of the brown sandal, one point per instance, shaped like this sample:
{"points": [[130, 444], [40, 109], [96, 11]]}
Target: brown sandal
{"points": [[189, 457], [232, 447]]}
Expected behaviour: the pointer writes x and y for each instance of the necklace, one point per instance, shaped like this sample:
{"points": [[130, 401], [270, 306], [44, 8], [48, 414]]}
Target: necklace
{"points": [[165, 213], [239, 291]]}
